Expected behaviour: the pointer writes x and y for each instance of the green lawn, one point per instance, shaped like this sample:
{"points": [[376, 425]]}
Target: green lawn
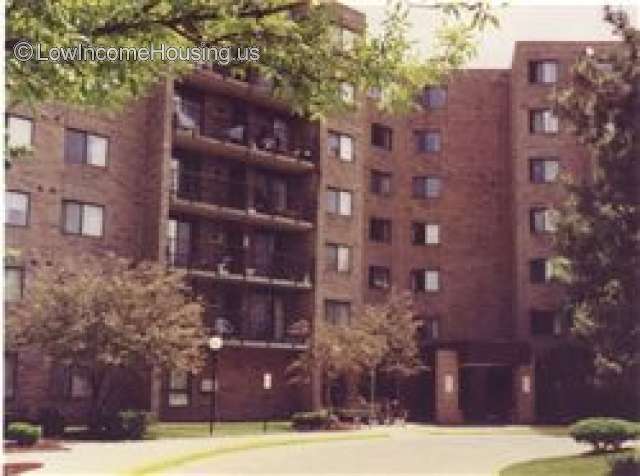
{"points": [[587, 464], [186, 430]]}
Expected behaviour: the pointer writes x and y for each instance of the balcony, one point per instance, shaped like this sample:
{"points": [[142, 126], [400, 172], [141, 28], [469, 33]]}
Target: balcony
{"points": [[211, 196], [253, 329], [244, 265], [269, 147]]}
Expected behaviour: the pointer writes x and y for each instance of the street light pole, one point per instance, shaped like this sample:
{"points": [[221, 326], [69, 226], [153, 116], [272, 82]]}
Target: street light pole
{"points": [[215, 344]]}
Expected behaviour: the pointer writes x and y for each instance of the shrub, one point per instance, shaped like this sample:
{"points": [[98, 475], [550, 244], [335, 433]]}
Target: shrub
{"points": [[125, 425], [25, 434], [311, 420], [604, 433], [624, 465], [51, 421]]}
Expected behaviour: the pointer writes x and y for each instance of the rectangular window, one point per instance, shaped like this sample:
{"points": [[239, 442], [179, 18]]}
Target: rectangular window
{"points": [[341, 146], [380, 183], [543, 220], [188, 112], [427, 187], [339, 258], [380, 230], [544, 170], [379, 277], [17, 208], [13, 283], [20, 132], [178, 388], [425, 280], [347, 93], [79, 385], [82, 218], [430, 329], [339, 202], [429, 141], [541, 270], [543, 121], [434, 97], [543, 72], [337, 312], [546, 323], [81, 147], [425, 233], [10, 372], [382, 136]]}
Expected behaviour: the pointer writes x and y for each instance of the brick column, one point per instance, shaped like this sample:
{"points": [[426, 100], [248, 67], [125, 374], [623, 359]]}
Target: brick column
{"points": [[447, 388], [524, 393]]}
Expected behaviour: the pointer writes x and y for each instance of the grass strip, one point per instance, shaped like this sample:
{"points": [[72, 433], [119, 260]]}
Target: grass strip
{"points": [[187, 458]]}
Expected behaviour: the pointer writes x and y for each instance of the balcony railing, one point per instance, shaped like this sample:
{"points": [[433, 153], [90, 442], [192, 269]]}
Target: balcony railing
{"points": [[247, 263], [250, 326], [196, 187]]}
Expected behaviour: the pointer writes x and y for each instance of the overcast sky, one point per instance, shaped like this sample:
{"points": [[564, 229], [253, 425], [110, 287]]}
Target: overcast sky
{"points": [[523, 20]]}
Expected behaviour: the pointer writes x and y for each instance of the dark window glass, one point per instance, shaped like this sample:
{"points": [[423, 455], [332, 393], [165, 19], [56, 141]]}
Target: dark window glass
{"points": [[75, 147], [380, 230], [379, 277], [434, 97], [380, 183], [337, 312], [544, 170], [381, 136], [10, 363], [546, 323], [429, 141], [543, 72], [427, 187], [540, 270]]}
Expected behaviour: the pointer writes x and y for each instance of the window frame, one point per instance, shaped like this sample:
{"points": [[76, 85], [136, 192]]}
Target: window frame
{"points": [[338, 194], [22, 281], [536, 77], [387, 134], [547, 220], [14, 376], [533, 161], [547, 272], [82, 205], [387, 227], [186, 390], [328, 303], [532, 121], [421, 141], [424, 226], [556, 325], [334, 249], [338, 153], [387, 274], [423, 273], [428, 104], [32, 134], [85, 153], [27, 222], [423, 194], [381, 176]]}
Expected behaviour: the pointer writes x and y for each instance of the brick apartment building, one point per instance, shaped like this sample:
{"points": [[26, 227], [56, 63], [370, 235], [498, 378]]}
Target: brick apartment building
{"points": [[278, 220]]}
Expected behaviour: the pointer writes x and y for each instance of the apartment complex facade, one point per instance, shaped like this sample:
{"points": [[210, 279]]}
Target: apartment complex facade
{"points": [[278, 220]]}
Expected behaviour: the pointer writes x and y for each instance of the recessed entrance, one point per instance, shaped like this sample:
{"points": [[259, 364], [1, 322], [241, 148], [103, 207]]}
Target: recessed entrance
{"points": [[486, 393]]}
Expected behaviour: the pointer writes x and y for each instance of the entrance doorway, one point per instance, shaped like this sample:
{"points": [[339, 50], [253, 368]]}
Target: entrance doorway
{"points": [[486, 393]]}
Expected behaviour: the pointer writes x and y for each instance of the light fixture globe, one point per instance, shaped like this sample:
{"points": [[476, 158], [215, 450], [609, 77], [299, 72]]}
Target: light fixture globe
{"points": [[215, 343]]}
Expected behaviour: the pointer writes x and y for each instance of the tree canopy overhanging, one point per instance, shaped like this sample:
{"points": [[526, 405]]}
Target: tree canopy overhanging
{"points": [[296, 40]]}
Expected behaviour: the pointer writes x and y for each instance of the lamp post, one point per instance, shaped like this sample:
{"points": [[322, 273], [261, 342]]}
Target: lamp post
{"points": [[215, 344]]}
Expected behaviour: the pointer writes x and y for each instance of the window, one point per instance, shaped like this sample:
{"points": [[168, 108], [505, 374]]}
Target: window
{"points": [[178, 388], [425, 280], [343, 38], [434, 97], [379, 277], [425, 233], [337, 312], [10, 371], [543, 121], [13, 283], [339, 258], [541, 270], [427, 187], [546, 323], [20, 131], [84, 148], [380, 230], [341, 146], [430, 329], [380, 182], [178, 242], [83, 218], [544, 170], [339, 202], [347, 93], [17, 208], [381, 136], [543, 220], [188, 112], [79, 385], [429, 141], [543, 72]]}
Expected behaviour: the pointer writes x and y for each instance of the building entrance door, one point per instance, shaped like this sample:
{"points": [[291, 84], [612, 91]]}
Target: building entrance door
{"points": [[486, 393]]}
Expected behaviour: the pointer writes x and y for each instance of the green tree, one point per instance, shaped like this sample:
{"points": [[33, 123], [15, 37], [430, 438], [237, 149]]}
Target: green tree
{"points": [[296, 40], [106, 315], [599, 230]]}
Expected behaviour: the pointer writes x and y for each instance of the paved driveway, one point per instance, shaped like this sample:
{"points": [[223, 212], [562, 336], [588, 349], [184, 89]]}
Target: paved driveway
{"points": [[408, 451], [394, 450]]}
